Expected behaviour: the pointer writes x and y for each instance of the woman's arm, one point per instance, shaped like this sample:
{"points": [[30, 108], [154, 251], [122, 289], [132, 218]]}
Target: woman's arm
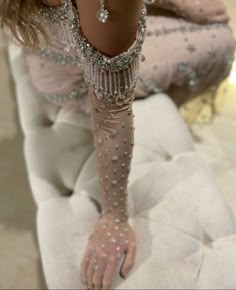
{"points": [[118, 34], [112, 122], [113, 130]]}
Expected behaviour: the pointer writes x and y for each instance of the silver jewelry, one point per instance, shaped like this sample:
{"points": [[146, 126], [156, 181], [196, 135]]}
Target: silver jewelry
{"points": [[113, 78], [55, 23], [102, 14]]}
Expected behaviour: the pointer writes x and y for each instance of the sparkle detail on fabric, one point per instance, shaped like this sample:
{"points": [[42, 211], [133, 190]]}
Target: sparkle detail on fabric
{"points": [[113, 81], [59, 50], [113, 78]]}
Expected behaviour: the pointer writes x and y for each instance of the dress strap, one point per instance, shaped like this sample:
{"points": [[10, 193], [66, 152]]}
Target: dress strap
{"points": [[55, 24]]}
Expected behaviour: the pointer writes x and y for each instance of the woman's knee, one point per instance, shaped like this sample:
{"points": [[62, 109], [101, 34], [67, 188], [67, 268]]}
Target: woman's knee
{"points": [[118, 33]]}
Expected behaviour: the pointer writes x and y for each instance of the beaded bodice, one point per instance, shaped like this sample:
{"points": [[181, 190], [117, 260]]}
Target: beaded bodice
{"points": [[67, 46], [61, 56]]}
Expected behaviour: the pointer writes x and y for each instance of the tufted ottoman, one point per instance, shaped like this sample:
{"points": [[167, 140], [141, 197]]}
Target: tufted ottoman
{"points": [[186, 232]]}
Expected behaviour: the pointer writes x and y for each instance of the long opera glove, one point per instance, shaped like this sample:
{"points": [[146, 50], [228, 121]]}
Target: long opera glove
{"points": [[113, 130], [114, 139], [111, 84]]}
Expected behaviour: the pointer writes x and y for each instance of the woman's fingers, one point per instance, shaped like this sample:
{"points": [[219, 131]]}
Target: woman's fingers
{"points": [[129, 259], [99, 273], [90, 271], [84, 266], [109, 273]]}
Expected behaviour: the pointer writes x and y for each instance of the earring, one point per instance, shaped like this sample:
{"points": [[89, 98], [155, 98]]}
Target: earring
{"points": [[102, 13]]}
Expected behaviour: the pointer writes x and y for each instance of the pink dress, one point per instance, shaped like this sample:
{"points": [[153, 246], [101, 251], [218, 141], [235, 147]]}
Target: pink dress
{"points": [[176, 52]]}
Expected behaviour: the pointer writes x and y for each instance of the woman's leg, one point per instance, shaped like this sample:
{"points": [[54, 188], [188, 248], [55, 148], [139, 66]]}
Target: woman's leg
{"points": [[198, 59], [114, 139]]}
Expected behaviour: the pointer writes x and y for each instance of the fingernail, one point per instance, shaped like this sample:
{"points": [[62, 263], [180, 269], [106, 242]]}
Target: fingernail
{"points": [[122, 275]]}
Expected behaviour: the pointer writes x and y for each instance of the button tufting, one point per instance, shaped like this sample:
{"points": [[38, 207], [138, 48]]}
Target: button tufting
{"points": [[168, 157], [207, 240], [48, 123]]}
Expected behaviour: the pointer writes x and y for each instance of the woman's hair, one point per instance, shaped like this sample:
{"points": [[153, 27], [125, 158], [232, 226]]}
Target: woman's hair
{"points": [[18, 15]]}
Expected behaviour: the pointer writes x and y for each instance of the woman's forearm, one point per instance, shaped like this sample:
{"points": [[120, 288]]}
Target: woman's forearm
{"points": [[113, 129], [111, 93], [111, 66]]}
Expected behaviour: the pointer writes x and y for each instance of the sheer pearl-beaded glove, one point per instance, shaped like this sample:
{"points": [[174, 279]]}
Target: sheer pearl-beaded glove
{"points": [[106, 246], [113, 130], [111, 82], [114, 139]]}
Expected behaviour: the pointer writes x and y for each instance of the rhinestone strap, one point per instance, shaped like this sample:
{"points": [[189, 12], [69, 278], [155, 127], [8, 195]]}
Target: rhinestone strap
{"points": [[113, 78], [73, 95], [55, 23], [57, 57]]}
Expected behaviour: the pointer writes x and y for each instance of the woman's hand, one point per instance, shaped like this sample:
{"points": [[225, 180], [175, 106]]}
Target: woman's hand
{"points": [[201, 11], [105, 248]]}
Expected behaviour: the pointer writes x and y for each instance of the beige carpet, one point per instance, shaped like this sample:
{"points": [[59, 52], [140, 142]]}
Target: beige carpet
{"points": [[20, 266]]}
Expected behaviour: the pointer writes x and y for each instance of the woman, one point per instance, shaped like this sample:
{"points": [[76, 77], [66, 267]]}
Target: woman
{"points": [[102, 42]]}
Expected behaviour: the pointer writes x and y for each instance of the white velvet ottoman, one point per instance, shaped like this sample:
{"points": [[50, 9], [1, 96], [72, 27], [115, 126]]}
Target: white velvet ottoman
{"points": [[186, 232]]}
